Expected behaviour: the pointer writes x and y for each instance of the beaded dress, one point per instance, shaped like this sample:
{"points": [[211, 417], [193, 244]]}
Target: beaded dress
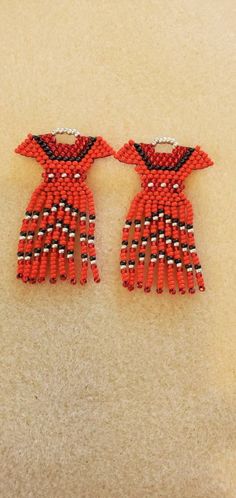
{"points": [[158, 244], [61, 207]]}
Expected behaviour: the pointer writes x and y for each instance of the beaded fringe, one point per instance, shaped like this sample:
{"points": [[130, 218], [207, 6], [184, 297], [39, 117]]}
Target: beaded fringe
{"points": [[158, 247], [47, 237]]}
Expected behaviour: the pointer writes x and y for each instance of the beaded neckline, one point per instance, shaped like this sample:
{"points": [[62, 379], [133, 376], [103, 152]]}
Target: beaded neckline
{"points": [[62, 151], [173, 160]]}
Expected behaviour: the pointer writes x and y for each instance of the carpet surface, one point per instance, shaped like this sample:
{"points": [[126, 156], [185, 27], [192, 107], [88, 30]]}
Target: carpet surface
{"points": [[105, 393]]}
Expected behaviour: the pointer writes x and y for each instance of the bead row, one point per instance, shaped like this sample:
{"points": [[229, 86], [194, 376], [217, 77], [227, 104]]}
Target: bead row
{"points": [[69, 131], [165, 140]]}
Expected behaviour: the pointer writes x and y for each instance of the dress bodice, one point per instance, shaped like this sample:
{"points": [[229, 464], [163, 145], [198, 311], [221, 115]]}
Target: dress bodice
{"points": [[162, 172]]}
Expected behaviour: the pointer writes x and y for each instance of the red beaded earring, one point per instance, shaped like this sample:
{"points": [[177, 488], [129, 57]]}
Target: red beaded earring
{"points": [[161, 219], [60, 207]]}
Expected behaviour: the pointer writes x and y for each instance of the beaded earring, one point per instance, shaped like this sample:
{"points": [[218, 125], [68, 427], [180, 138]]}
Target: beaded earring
{"points": [[60, 207], [159, 224]]}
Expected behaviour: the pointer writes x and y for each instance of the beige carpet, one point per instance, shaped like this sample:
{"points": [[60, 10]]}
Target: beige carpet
{"points": [[107, 394]]}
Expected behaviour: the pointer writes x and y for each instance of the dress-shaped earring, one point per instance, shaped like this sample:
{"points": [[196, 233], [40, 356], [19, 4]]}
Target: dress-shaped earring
{"points": [[60, 207], [159, 224]]}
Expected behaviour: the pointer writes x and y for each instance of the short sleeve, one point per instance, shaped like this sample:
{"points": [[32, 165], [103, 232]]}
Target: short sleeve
{"points": [[102, 148], [27, 147], [128, 154], [201, 159]]}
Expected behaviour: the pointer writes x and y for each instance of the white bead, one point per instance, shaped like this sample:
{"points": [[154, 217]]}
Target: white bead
{"points": [[176, 185], [76, 175], [51, 175], [163, 184], [150, 184], [63, 175]]}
